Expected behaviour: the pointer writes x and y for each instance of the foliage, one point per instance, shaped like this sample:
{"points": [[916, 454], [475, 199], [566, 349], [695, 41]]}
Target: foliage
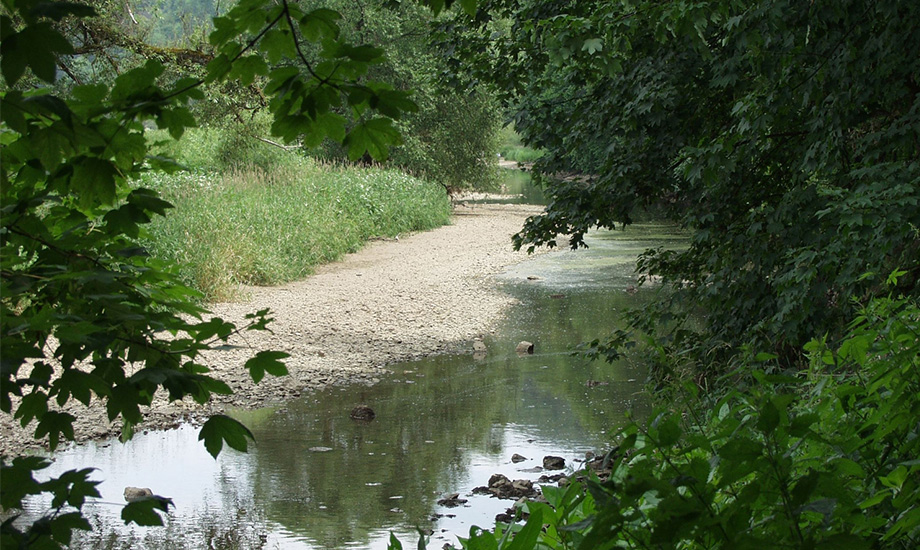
{"points": [[251, 225], [451, 139], [823, 458], [511, 148], [85, 313], [219, 150], [783, 135]]}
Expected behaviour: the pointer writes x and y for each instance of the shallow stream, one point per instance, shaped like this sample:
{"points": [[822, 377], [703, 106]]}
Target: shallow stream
{"points": [[317, 479]]}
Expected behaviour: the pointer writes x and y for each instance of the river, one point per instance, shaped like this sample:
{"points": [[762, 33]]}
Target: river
{"points": [[317, 479]]}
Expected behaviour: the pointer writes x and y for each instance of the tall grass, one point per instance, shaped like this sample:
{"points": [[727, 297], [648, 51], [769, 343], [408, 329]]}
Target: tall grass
{"points": [[511, 148], [256, 225]]}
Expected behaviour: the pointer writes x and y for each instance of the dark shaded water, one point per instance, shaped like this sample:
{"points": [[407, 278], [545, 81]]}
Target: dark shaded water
{"points": [[317, 479]]}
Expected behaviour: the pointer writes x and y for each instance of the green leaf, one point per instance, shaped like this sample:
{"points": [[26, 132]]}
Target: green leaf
{"points": [[14, 57], [875, 499], [394, 543], [266, 361], [480, 539], [60, 10], [436, 5], [526, 538], [32, 406], [43, 45], [146, 512], [93, 182], [841, 541], [593, 45], [320, 23], [62, 526], [218, 68], [176, 120], [225, 29], [669, 432], [393, 103], [53, 425], [363, 53], [246, 68], [374, 137], [804, 487], [219, 429], [17, 480], [148, 200], [469, 6], [769, 418], [332, 125], [277, 44]]}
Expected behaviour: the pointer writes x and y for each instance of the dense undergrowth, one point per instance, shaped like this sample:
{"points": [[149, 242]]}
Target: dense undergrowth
{"points": [[269, 216]]}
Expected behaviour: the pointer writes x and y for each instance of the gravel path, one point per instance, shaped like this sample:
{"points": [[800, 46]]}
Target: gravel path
{"points": [[392, 301]]}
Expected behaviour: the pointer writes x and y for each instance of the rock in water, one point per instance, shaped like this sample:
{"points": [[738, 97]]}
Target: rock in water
{"points": [[133, 494], [498, 480], [363, 412], [452, 500], [517, 458], [524, 348], [553, 462]]}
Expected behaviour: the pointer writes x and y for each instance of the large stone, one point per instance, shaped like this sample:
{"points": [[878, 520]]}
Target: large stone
{"points": [[363, 412], [524, 348], [133, 494], [499, 480], [502, 487], [553, 462], [522, 486]]}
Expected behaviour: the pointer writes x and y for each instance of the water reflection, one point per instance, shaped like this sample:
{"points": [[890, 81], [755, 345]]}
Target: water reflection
{"points": [[516, 188], [318, 479]]}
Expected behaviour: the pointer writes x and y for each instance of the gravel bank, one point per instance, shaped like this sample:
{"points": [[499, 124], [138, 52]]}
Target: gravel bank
{"points": [[392, 301]]}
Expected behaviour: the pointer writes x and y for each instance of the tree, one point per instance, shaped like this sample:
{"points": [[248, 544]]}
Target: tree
{"points": [[783, 135], [86, 315], [451, 138]]}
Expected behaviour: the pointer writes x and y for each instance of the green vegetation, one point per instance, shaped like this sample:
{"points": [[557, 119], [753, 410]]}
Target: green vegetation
{"points": [[511, 148], [452, 136], [784, 136], [785, 139], [275, 215], [821, 459], [87, 316]]}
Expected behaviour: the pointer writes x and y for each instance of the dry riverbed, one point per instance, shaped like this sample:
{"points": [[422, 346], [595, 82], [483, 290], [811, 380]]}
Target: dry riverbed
{"points": [[392, 301]]}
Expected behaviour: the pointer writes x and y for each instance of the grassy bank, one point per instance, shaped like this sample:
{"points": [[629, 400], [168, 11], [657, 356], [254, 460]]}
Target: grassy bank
{"points": [[252, 224], [511, 148]]}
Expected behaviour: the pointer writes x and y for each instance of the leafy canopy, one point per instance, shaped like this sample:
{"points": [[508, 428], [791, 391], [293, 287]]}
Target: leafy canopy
{"points": [[783, 135], [87, 316]]}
